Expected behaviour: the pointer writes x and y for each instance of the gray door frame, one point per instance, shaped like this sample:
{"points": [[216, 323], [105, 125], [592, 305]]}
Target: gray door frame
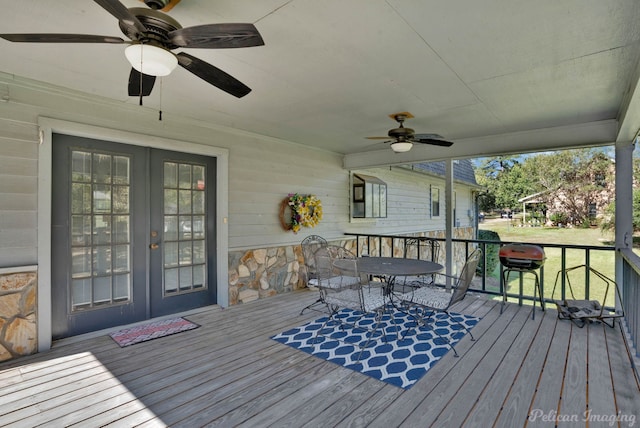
{"points": [[48, 126]]}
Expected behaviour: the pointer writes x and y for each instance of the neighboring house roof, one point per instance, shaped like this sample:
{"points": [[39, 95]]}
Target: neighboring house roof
{"points": [[534, 197], [462, 170]]}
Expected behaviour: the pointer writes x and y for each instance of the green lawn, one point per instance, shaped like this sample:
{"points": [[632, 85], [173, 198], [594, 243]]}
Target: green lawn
{"points": [[602, 261]]}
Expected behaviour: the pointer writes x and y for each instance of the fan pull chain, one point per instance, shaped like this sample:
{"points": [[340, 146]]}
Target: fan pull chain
{"points": [[141, 75], [160, 111]]}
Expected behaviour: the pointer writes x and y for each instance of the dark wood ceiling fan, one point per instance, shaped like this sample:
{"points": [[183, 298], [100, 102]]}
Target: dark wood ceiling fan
{"points": [[402, 139], [152, 33]]}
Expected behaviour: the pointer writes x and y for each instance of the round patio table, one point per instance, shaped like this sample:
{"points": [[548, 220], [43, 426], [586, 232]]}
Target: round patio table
{"points": [[393, 266]]}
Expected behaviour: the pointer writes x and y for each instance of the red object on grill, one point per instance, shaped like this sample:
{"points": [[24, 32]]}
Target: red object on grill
{"points": [[522, 256]]}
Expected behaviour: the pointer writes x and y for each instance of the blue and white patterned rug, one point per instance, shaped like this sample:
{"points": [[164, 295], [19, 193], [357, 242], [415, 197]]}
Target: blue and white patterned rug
{"points": [[399, 362]]}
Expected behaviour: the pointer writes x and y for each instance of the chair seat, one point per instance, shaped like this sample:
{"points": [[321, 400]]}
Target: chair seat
{"points": [[428, 296], [335, 281], [349, 298]]}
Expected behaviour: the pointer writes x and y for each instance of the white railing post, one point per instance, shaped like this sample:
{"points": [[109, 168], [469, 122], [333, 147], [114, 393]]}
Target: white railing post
{"points": [[624, 205]]}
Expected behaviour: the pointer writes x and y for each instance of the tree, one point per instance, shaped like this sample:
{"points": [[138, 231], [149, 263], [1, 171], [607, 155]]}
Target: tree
{"points": [[576, 181], [571, 183], [505, 180]]}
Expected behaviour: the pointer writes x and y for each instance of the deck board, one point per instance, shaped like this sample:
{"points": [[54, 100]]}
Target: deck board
{"points": [[500, 382], [473, 373], [574, 389], [600, 396], [516, 405], [228, 372]]}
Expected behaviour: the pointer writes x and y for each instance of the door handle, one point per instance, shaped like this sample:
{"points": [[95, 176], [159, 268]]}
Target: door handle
{"points": [[154, 246]]}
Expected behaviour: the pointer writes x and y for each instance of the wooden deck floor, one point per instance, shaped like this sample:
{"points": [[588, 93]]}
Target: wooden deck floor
{"points": [[229, 373]]}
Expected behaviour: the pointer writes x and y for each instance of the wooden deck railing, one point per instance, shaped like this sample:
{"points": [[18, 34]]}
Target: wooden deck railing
{"points": [[631, 296], [554, 285]]}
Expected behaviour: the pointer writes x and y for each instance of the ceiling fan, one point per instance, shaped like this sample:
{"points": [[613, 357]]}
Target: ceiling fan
{"points": [[404, 138], [153, 36]]}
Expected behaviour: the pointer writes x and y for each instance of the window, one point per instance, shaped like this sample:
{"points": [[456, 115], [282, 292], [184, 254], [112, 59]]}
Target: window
{"points": [[435, 201], [369, 197]]}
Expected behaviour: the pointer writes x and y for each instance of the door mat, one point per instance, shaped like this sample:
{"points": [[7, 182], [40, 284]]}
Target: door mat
{"points": [[152, 330], [398, 362]]}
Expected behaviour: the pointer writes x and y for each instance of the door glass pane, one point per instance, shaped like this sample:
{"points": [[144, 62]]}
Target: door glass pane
{"points": [[184, 202], [198, 276], [81, 167], [184, 171], [102, 198], [184, 227], [121, 229], [80, 198], [81, 229], [101, 168], [197, 227], [170, 201], [121, 258], [121, 287], [81, 262], [198, 177], [198, 202], [81, 293], [102, 260], [170, 175], [170, 254], [198, 251], [185, 253], [100, 229], [121, 199], [170, 281], [185, 278], [120, 170], [102, 290], [170, 228]]}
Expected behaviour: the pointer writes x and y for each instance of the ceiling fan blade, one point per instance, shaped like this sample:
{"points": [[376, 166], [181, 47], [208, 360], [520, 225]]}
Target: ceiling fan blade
{"points": [[433, 142], [217, 36], [377, 138], [138, 81], [60, 38], [120, 11], [213, 75]]}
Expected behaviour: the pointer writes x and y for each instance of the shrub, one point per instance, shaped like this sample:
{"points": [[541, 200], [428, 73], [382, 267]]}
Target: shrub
{"points": [[559, 218], [492, 251]]}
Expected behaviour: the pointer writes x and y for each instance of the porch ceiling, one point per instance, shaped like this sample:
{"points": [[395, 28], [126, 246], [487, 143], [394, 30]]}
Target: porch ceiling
{"points": [[493, 76]]}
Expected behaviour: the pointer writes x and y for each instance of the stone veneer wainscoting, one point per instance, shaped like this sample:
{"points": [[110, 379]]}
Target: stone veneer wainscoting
{"points": [[18, 296], [263, 272]]}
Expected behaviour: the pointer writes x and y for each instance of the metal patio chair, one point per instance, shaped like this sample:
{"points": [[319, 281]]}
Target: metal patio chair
{"points": [[365, 301], [309, 246], [327, 276], [425, 303], [421, 248]]}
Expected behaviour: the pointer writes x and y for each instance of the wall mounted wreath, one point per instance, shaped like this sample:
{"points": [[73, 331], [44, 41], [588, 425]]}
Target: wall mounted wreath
{"points": [[304, 210]]}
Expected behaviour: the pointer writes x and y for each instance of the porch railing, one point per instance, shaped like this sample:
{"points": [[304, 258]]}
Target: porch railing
{"points": [[631, 296], [492, 283], [600, 258]]}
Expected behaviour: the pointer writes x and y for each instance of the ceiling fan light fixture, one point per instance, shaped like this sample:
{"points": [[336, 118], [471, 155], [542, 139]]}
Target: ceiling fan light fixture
{"points": [[151, 60], [401, 146]]}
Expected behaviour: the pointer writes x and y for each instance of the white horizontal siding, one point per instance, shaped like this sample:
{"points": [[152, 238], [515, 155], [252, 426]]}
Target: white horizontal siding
{"points": [[262, 171], [18, 192], [409, 203], [263, 174]]}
